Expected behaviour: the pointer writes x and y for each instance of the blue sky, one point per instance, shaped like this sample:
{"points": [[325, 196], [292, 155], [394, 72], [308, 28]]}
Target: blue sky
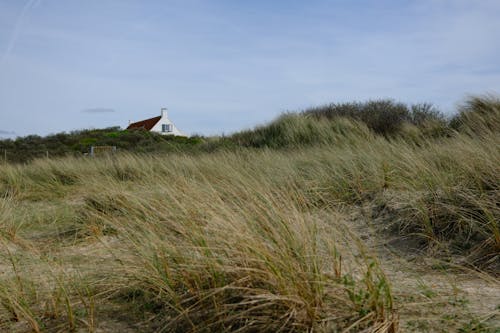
{"points": [[224, 65]]}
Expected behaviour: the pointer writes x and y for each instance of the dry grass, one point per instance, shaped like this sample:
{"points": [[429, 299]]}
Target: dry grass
{"points": [[212, 243], [254, 240]]}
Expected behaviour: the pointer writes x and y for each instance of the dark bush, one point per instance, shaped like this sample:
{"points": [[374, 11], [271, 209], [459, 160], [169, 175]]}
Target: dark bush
{"points": [[422, 113], [382, 116]]}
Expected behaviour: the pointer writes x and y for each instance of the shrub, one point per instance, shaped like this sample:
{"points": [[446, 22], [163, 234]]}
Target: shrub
{"points": [[422, 113], [384, 117]]}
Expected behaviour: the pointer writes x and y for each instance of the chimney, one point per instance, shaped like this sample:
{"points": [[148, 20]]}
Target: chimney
{"points": [[164, 112]]}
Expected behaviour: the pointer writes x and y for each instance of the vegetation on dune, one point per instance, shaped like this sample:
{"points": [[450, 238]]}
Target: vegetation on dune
{"points": [[384, 117], [77, 143], [246, 239], [330, 124], [294, 130], [432, 178], [347, 122]]}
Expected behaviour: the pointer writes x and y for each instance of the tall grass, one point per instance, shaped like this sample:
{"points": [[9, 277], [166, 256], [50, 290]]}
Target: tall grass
{"points": [[218, 242], [221, 242], [477, 115], [238, 254], [294, 130]]}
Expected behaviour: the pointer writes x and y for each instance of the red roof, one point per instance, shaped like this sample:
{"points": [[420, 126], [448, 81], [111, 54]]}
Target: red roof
{"points": [[145, 124]]}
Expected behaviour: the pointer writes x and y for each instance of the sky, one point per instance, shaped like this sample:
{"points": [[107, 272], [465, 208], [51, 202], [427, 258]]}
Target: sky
{"points": [[224, 65]]}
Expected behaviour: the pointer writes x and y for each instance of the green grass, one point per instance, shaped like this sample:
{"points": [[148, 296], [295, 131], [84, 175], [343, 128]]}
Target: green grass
{"points": [[77, 143]]}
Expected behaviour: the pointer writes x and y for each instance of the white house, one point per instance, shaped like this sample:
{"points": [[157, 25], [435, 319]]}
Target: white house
{"points": [[160, 124]]}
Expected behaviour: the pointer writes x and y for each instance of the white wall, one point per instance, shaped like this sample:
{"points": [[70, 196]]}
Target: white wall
{"points": [[165, 121]]}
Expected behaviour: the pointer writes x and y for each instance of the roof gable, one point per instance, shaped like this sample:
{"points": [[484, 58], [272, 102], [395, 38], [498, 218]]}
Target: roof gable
{"points": [[147, 124]]}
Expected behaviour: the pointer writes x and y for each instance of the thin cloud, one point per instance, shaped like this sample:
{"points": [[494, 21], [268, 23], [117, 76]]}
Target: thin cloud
{"points": [[98, 110], [3, 132], [30, 4]]}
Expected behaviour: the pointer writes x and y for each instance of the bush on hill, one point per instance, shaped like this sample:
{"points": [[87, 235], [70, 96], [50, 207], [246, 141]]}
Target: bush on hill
{"points": [[77, 143], [345, 123], [385, 117]]}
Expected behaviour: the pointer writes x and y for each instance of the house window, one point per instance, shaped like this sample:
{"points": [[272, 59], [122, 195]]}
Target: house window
{"points": [[166, 127]]}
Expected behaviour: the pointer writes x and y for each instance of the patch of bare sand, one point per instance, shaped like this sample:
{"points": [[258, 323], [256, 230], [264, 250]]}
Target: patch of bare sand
{"points": [[431, 295]]}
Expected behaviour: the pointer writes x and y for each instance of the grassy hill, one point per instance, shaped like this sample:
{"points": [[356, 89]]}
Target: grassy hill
{"points": [[335, 124], [357, 217], [77, 143]]}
